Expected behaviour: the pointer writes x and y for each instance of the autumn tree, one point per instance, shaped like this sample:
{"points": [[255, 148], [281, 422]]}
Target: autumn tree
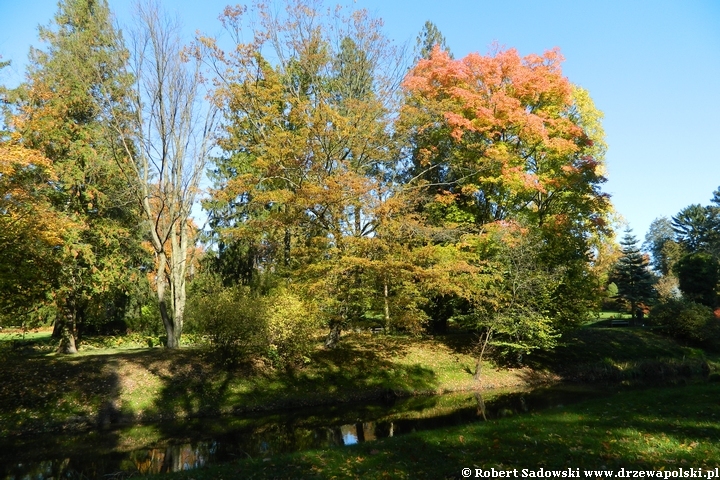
{"points": [[502, 137], [308, 99], [30, 229], [62, 114]]}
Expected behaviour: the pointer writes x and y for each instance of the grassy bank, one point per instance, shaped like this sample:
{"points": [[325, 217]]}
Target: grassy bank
{"points": [[658, 428], [108, 385]]}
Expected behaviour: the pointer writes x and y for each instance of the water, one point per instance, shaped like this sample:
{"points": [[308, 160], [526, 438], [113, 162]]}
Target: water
{"points": [[186, 445]]}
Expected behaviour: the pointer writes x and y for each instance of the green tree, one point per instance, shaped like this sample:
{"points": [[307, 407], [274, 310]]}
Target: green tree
{"points": [[692, 227], [511, 313], [63, 114], [658, 242], [699, 276], [631, 275], [428, 38]]}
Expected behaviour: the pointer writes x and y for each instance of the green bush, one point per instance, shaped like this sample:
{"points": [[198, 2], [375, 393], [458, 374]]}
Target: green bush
{"points": [[687, 320], [242, 325], [230, 317]]}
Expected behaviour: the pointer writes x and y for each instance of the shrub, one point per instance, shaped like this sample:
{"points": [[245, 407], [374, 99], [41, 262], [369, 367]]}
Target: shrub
{"points": [[231, 318], [242, 325], [291, 327], [687, 320]]}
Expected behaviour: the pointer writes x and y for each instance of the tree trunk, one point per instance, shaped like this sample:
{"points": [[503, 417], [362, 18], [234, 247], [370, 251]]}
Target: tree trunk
{"points": [[68, 329], [480, 405], [483, 344], [333, 337], [165, 315], [387, 306]]}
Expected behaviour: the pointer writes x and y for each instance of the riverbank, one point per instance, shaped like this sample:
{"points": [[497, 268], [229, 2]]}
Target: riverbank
{"points": [[104, 388], [659, 430]]}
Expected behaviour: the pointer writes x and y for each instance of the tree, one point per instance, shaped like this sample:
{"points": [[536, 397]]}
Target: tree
{"points": [[660, 242], [699, 276], [521, 138], [167, 138], [30, 229], [307, 147], [692, 227], [428, 38], [62, 114], [511, 313], [502, 138], [631, 274]]}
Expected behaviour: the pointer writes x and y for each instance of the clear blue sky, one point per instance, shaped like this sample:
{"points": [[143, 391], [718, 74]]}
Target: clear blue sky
{"points": [[652, 66]]}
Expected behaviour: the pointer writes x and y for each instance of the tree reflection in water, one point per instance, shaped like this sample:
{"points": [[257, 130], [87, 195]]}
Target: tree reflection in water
{"points": [[183, 447]]}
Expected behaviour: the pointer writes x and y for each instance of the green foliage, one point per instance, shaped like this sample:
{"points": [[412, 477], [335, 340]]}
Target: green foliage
{"points": [[511, 312], [631, 275], [687, 320], [660, 242], [693, 227], [699, 276], [232, 318], [292, 326], [61, 112], [243, 325], [430, 37]]}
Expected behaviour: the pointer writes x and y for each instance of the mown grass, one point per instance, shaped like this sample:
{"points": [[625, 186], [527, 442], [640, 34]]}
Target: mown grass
{"points": [[52, 392], [42, 392], [658, 428]]}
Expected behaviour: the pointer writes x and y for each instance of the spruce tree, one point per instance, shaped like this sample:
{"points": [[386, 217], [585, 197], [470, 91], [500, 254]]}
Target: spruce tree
{"points": [[631, 274]]}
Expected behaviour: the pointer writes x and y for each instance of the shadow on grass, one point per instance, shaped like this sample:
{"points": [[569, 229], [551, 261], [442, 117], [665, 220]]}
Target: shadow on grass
{"points": [[620, 355], [639, 430], [191, 385]]}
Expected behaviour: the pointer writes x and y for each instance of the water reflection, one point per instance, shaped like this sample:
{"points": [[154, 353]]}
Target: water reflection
{"points": [[194, 444]]}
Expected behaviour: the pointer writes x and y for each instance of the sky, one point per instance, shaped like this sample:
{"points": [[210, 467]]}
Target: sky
{"points": [[652, 67]]}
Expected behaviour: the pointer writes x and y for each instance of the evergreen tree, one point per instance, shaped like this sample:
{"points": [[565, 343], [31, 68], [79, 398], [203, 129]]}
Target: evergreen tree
{"points": [[631, 275], [429, 37], [693, 227], [72, 86]]}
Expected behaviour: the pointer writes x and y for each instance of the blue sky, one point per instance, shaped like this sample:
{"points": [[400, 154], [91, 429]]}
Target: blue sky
{"points": [[652, 66]]}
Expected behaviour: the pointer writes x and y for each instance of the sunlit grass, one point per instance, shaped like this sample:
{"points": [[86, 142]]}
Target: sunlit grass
{"points": [[46, 392], [650, 429]]}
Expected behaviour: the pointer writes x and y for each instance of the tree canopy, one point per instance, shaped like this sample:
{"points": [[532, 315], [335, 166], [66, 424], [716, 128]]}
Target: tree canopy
{"points": [[374, 195]]}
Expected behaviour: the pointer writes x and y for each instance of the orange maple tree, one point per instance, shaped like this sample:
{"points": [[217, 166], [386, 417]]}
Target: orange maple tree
{"points": [[503, 136]]}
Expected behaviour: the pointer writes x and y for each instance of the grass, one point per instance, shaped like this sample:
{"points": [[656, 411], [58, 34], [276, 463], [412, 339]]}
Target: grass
{"points": [[43, 392], [660, 428], [49, 392], [606, 315]]}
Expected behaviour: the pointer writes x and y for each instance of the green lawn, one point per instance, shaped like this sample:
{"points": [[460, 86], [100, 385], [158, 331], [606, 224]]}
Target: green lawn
{"points": [[660, 428], [46, 392]]}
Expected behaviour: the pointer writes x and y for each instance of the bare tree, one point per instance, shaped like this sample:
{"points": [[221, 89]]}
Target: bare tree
{"points": [[168, 136]]}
